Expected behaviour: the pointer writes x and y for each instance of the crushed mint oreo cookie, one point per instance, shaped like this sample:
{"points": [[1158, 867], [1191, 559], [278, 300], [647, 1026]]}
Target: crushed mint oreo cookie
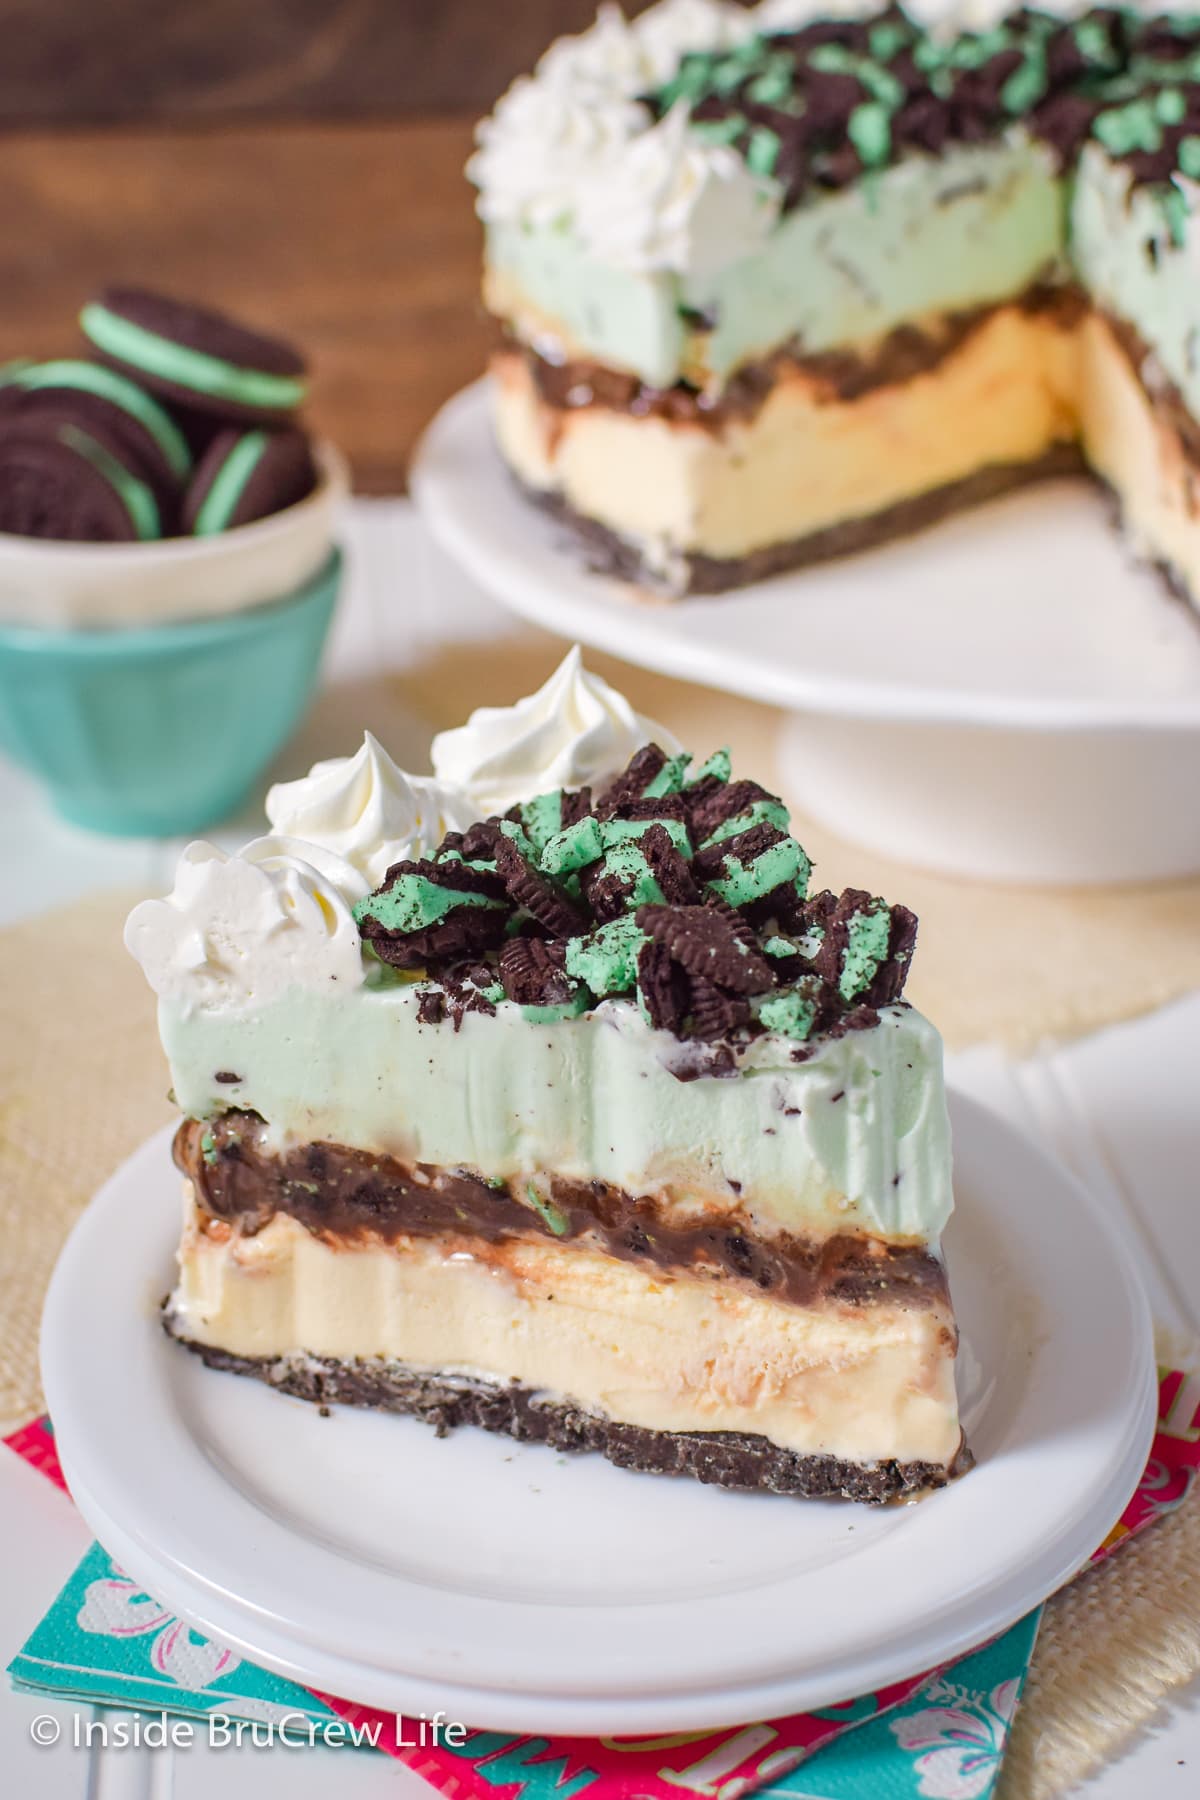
{"points": [[434, 912], [821, 107], [683, 895]]}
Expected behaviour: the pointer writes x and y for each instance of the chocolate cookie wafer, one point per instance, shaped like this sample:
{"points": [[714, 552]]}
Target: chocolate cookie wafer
{"points": [[196, 356]]}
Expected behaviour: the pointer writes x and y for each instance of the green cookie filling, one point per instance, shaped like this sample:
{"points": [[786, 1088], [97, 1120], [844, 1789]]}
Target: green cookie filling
{"points": [[719, 766], [563, 1009], [778, 863], [621, 831], [573, 848], [135, 496], [108, 384], [541, 817], [229, 484], [546, 1210], [867, 937], [413, 902], [790, 1012], [183, 367], [759, 812], [607, 960], [627, 863]]}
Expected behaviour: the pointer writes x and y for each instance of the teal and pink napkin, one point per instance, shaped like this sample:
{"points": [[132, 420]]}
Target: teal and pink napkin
{"points": [[938, 1736]]}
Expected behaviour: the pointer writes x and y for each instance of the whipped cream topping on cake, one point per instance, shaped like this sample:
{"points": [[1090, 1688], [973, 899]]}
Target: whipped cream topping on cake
{"points": [[242, 931], [921, 76], [810, 101], [671, 202], [366, 810], [587, 1121], [575, 140], [574, 730]]}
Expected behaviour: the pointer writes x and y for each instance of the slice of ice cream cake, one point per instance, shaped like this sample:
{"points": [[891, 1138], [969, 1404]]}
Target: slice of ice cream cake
{"points": [[583, 1121]]}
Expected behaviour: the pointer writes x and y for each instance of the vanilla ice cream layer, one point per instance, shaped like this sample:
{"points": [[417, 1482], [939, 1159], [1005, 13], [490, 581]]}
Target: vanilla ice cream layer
{"points": [[1139, 454], [665, 1353], [806, 459], [1016, 388], [852, 1138]]}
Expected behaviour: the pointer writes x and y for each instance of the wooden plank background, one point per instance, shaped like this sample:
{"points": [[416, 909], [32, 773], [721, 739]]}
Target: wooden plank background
{"points": [[360, 242], [297, 162], [91, 61]]}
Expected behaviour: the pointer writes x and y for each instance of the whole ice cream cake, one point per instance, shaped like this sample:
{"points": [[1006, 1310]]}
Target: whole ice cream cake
{"points": [[544, 1096], [777, 282]]}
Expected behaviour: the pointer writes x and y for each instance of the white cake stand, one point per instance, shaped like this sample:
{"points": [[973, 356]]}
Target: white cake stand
{"points": [[1006, 696]]}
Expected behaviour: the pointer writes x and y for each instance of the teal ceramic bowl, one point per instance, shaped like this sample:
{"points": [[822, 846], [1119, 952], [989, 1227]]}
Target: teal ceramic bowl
{"points": [[161, 731]]}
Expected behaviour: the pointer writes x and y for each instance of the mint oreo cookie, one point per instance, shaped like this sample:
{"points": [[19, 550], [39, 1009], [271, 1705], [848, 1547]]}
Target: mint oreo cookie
{"points": [[102, 400], [245, 475], [61, 481], [178, 421], [194, 356]]}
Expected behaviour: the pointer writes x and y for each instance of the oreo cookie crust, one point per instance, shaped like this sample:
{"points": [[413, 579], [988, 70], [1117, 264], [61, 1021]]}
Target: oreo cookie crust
{"points": [[61, 482], [740, 1461], [195, 356], [246, 475]]}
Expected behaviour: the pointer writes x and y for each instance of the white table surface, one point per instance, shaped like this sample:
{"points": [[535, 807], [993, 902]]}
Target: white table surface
{"points": [[1118, 1107]]}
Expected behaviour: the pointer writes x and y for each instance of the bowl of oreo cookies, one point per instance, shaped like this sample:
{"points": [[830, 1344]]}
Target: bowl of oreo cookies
{"points": [[168, 562]]}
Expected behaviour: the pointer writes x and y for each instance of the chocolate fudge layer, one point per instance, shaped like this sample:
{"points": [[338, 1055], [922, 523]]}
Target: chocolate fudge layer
{"points": [[345, 1195]]}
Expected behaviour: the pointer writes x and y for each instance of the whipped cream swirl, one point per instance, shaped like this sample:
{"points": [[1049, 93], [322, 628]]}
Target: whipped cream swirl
{"points": [[672, 201], [574, 730], [666, 32], [951, 18], [630, 56], [793, 15], [572, 145], [241, 930], [367, 811], [540, 142]]}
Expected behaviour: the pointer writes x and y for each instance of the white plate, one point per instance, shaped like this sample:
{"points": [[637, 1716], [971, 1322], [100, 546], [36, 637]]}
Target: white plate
{"points": [[1014, 649], [518, 1589]]}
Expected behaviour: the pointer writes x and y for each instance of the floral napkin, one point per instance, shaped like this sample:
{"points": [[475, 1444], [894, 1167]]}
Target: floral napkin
{"points": [[939, 1736]]}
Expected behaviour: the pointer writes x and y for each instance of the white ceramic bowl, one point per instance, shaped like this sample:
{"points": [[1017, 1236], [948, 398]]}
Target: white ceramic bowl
{"points": [[90, 586]]}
